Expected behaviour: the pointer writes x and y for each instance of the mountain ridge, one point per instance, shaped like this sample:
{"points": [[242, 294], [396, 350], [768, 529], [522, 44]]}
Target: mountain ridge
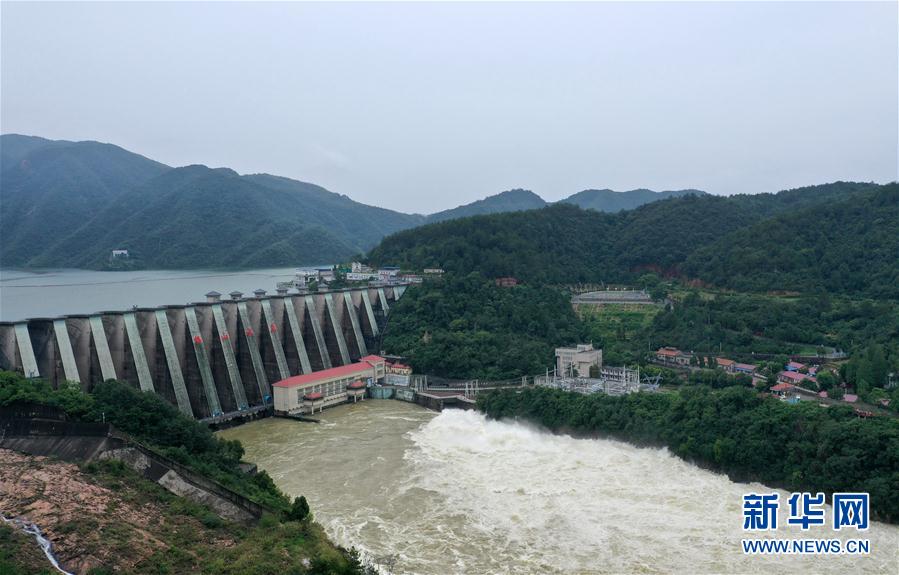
{"points": [[71, 203], [710, 238]]}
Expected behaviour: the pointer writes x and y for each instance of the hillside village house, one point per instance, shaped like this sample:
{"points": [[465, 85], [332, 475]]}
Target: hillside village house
{"points": [[795, 378], [731, 366], [782, 389], [304, 394], [673, 356], [746, 368], [725, 364]]}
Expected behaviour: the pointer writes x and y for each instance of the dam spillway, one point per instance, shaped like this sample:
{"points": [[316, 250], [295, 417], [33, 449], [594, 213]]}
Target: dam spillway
{"points": [[208, 358]]}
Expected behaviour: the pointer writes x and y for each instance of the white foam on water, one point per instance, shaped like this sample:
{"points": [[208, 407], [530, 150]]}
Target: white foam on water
{"points": [[457, 493]]}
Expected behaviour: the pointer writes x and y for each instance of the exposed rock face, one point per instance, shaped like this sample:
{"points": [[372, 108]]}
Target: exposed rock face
{"points": [[89, 525]]}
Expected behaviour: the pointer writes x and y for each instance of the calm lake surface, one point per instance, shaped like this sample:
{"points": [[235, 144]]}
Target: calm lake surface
{"points": [[50, 293], [438, 494]]}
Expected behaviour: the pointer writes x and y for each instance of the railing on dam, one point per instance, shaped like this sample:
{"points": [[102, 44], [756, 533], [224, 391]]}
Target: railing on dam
{"points": [[209, 358]]}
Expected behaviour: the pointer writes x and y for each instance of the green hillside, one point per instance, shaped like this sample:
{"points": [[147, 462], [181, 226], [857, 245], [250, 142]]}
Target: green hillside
{"points": [[612, 201], [520, 200], [197, 217], [72, 203], [508, 201], [564, 244], [849, 246], [50, 188]]}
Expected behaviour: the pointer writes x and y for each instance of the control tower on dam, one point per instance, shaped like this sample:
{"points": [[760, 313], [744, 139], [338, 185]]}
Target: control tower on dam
{"points": [[211, 358]]}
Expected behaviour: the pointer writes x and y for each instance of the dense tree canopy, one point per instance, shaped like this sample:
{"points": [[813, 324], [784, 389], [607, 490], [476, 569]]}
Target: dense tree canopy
{"points": [[468, 327], [843, 247], [710, 238]]}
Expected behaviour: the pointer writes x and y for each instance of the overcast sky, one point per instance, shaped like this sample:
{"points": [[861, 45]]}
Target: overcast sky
{"points": [[421, 107]]}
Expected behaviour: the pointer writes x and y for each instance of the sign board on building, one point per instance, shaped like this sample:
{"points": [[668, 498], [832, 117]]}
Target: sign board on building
{"points": [[360, 277], [396, 379]]}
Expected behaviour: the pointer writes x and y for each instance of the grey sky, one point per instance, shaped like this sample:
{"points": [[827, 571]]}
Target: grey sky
{"points": [[421, 107]]}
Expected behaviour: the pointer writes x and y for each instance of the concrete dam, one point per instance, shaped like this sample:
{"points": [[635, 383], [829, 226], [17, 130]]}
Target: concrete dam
{"points": [[211, 359]]}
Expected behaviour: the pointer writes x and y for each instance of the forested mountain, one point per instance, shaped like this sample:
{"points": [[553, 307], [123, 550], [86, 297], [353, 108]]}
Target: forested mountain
{"points": [[520, 200], [509, 201], [359, 225], [612, 201], [849, 246], [49, 188], [72, 203], [564, 244], [196, 217]]}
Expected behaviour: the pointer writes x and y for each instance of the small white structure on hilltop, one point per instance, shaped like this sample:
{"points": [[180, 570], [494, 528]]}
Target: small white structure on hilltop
{"points": [[577, 361]]}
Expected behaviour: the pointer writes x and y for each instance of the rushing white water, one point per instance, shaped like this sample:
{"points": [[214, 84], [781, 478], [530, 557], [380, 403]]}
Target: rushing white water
{"points": [[456, 493], [35, 531]]}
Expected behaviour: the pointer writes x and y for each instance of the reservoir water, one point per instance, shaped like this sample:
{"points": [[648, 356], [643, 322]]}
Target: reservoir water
{"points": [[437, 494], [50, 293]]}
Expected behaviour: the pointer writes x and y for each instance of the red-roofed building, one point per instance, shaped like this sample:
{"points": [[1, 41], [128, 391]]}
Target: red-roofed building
{"points": [[725, 364], [744, 368], [794, 377], [782, 387], [506, 282], [795, 366], [305, 393], [673, 356], [850, 398]]}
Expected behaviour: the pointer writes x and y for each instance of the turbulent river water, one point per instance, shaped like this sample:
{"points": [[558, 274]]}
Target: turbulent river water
{"points": [[456, 493]]}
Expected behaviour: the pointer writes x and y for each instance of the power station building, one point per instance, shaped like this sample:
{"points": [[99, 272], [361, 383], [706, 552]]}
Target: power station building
{"points": [[577, 361], [304, 394]]}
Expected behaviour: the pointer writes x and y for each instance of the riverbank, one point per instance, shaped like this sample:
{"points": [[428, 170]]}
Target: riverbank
{"points": [[103, 517], [103, 514]]}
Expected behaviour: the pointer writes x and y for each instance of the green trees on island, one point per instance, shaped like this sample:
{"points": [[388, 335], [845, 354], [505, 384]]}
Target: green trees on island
{"points": [[735, 430]]}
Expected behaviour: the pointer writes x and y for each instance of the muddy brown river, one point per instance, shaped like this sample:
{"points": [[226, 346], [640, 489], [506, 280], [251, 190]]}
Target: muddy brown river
{"points": [[437, 494]]}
